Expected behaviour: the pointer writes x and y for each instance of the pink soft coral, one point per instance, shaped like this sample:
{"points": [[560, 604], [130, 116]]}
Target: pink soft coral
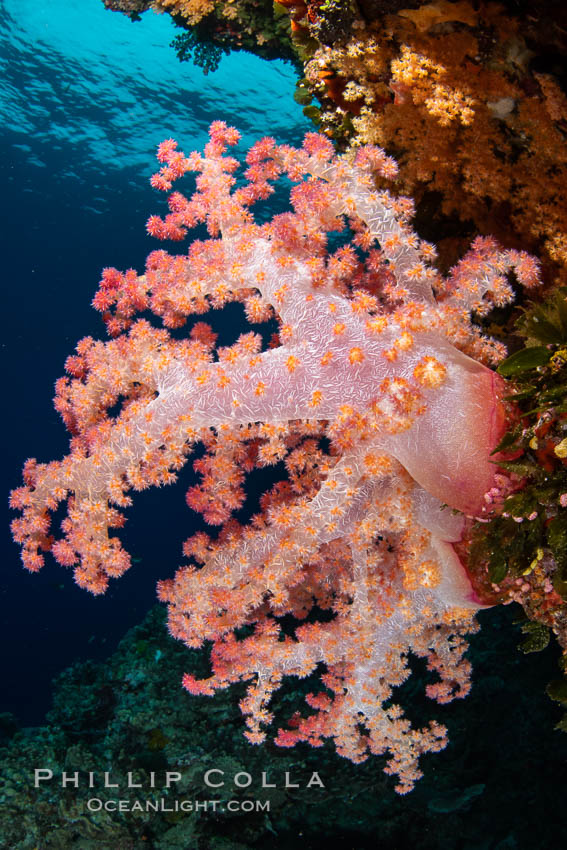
{"points": [[370, 397]]}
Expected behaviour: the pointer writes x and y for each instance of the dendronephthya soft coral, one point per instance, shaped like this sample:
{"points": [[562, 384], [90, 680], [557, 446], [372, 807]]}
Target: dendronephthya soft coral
{"points": [[374, 397]]}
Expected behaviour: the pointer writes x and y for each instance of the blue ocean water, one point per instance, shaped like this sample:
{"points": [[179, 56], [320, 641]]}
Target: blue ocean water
{"points": [[86, 96]]}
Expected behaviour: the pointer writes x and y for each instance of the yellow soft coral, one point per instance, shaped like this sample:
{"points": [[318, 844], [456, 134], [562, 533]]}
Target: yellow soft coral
{"points": [[423, 80], [193, 10], [448, 89]]}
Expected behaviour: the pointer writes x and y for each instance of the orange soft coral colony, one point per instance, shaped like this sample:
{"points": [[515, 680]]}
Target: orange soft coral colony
{"points": [[369, 362]]}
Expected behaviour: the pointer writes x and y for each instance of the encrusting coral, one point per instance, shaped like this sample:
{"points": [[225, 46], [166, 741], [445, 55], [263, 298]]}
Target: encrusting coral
{"points": [[450, 90], [193, 10]]}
